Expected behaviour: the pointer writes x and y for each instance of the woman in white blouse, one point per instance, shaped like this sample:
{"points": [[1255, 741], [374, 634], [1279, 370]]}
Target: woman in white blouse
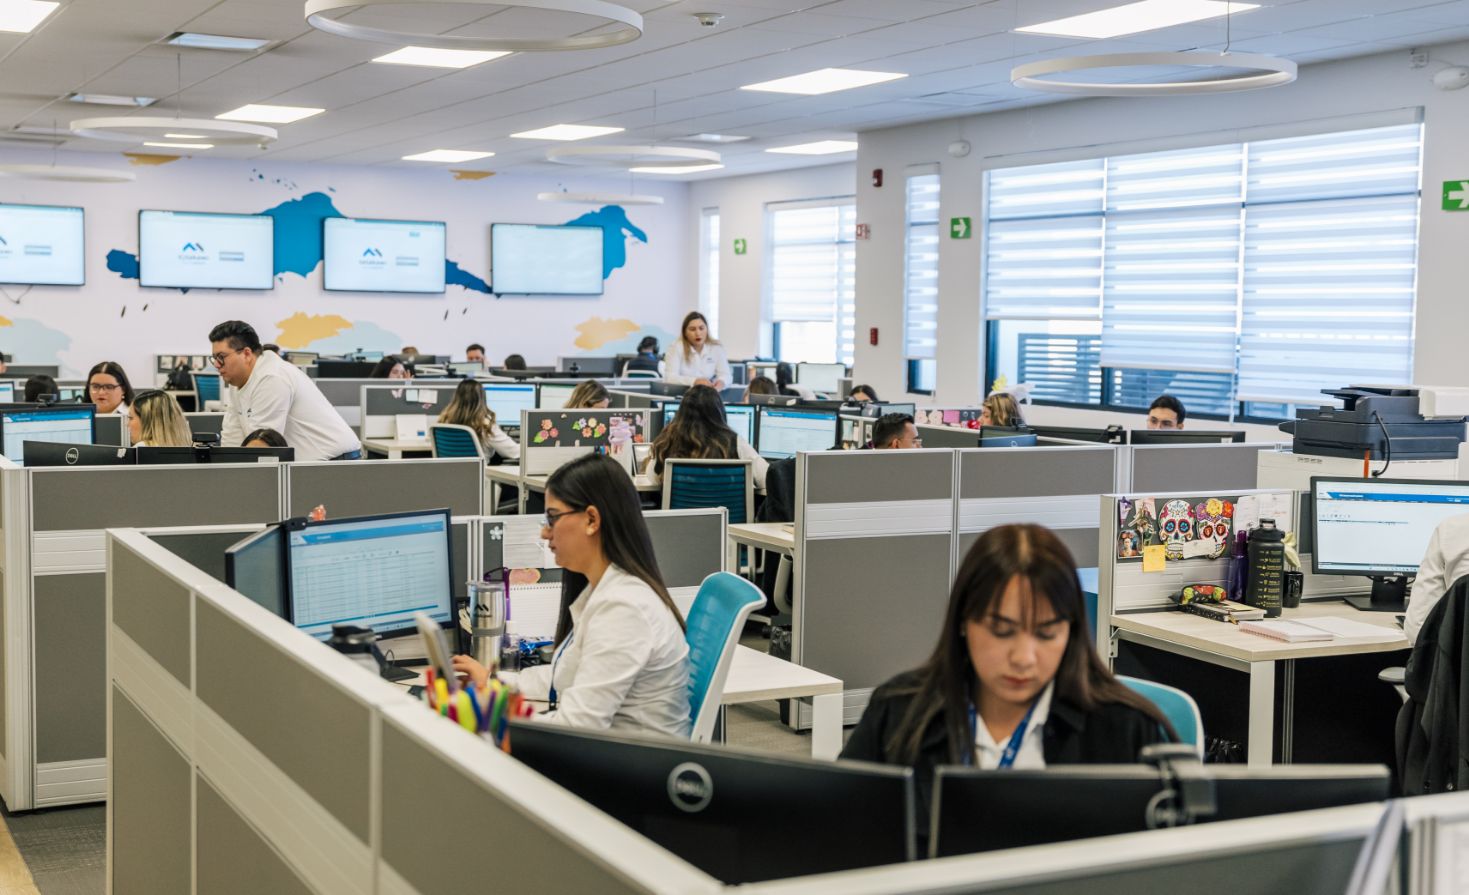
{"points": [[468, 408], [696, 358], [621, 660], [700, 431]]}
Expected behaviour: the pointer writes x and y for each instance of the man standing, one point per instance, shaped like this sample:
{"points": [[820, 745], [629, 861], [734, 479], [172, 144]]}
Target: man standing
{"points": [[266, 392]]}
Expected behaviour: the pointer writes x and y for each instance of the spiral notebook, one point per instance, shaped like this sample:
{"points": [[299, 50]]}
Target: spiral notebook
{"points": [[1280, 629]]}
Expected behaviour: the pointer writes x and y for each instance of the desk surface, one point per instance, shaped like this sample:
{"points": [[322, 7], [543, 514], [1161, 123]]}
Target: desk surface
{"points": [[765, 535], [384, 445], [644, 483], [755, 676], [1224, 639]]}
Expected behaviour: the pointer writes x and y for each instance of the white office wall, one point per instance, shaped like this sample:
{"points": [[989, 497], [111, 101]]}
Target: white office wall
{"points": [[1328, 96], [113, 318], [741, 202]]}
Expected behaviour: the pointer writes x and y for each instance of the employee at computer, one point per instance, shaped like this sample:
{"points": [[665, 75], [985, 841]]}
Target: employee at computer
{"points": [[621, 659], [1014, 681], [468, 408], [1001, 409], [700, 431], [864, 394], [158, 421], [265, 438], [1446, 561], [695, 357], [895, 432], [590, 395], [109, 389], [391, 367], [41, 389], [1166, 412], [647, 360], [266, 392], [760, 385], [475, 353]]}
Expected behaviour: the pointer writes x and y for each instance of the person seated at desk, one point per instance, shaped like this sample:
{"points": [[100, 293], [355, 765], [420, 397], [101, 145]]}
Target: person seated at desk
{"points": [[1014, 681], [1166, 413], [864, 394], [697, 358], [647, 360], [475, 353], [158, 421], [621, 660], [265, 438], [468, 408], [109, 388], [760, 385], [391, 367], [41, 389], [785, 384], [895, 432], [700, 431], [1001, 409], [590, 395], [514, 362], [1445, 562]]}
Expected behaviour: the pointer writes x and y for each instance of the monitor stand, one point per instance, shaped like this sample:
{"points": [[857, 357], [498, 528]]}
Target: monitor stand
{"points": [[1388, 595]]}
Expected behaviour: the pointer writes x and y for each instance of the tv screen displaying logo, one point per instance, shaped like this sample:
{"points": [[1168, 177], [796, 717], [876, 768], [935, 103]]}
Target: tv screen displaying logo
{"points": [[206, 251], [383, 256], [42, 245]]}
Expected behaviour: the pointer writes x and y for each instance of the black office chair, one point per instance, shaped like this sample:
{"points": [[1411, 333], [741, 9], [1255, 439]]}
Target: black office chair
{"points": [[1429, 729]]}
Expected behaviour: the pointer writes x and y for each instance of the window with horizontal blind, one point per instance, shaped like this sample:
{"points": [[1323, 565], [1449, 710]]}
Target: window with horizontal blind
{"points": [[709, 264], [812, 284], [1242, 278], [921, 277]]}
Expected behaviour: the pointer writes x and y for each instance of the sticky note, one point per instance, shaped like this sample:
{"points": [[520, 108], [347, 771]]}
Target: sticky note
{"points": [[1155, 558]]}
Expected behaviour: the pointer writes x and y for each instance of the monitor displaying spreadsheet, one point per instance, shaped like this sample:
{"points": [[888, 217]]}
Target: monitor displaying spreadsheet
{"points": [[508, 399], [68, 425], [554, 396], [739, 417], [1378, 527], [371, 571], [784, 431]]}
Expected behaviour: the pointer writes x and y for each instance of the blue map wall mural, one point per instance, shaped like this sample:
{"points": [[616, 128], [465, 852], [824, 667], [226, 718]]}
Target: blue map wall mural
{"points": [[298, 241]]}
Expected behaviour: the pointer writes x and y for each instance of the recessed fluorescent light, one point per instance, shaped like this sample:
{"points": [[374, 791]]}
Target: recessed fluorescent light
{"points": [[216, 42], [826, 80], [675, 169], [567, 132], [447, 155], [185, 136], [715, 138], [107, 99], [1133, 18], [22, 16], [820, 147], [180, 145], [266, 114], [434, 58]]}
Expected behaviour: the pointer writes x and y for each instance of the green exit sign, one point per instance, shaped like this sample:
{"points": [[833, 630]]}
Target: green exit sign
{"points": [[960, 228], [739, 246], [1456, 195]]}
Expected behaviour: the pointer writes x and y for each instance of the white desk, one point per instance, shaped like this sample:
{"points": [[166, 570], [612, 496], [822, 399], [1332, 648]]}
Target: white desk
{"points": [[777, 536], [395, 449], [1225, 645]]}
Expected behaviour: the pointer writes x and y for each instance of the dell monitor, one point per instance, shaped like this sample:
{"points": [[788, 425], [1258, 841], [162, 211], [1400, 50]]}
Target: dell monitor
{"points": [[784, 431], [825, 378], [553, 396], [977, 811], [371, 571], [1181, 436], [61, 453], [256, 567], [1379, 528], [739, 417], [71, 424], [508, 399], [1109, 435], [711, 805]]}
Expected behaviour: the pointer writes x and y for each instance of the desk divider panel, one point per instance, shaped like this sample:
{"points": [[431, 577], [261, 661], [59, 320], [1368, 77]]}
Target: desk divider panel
{"points": [[363, 487], [110, 429], [948, 437], [550, 439], [380, 403], [1206, 467], [346, 396]]}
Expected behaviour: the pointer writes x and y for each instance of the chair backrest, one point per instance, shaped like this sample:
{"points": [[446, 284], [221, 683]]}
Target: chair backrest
{"points": [[1177, 706], [206, 386], [449, 440], [714, 625], [700, 484]]}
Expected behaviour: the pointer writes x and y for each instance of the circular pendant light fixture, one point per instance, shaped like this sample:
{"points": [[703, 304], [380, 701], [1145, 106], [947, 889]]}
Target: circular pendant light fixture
{"points": [[1259, 71], [669, 159], [320, 14], [157, 128], [68, 173], [600, 198]]}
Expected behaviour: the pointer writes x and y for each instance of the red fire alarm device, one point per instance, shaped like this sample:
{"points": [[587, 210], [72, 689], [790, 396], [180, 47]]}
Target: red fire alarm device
{"points": [[877, 177], [872, 336], [864, 231]]}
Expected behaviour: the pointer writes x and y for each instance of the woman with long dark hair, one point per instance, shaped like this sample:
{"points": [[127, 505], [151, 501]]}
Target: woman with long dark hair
{"points": [[1014, 680], [468, 408], [621, 661], [696, 357], [109, 389], [700, 431]]}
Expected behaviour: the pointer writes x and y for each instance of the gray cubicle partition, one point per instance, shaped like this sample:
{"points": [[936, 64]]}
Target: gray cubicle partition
{"points": [[112, 428], [1059, 487], [948, 437], [1197, 467], [380, 404], [346, 396], [362, 488]]}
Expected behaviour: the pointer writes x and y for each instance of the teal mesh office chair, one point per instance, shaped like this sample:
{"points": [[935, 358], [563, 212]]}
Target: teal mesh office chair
{"points": [[700, 484], [449, 440], [206, 387], [713, 631], [1177, 706]]}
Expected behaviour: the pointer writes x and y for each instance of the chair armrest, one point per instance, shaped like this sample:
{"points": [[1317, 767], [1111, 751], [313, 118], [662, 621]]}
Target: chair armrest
{"points": [[1393, 675]]}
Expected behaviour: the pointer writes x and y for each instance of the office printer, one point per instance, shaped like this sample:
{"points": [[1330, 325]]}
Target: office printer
{"points": [[1370, 415]]}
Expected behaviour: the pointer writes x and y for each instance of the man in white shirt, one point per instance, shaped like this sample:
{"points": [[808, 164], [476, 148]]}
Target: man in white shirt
{"points": [[266, 392], [1446, 561]]}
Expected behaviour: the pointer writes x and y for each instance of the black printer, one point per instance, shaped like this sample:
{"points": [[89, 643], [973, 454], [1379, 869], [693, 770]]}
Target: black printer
{"points": [[1368, 417]]}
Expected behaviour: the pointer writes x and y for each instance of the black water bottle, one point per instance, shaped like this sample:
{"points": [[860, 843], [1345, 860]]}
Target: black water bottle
{"points": [[1265, 587]]}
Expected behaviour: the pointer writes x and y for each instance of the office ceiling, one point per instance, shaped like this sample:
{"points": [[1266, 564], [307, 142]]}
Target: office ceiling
{"points": [[679, 79]]}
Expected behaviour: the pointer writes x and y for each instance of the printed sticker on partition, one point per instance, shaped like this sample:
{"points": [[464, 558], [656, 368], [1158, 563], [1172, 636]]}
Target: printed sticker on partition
{"points": [[1176, 522], [1213, 520], [1155, 558], [1137, 526]]}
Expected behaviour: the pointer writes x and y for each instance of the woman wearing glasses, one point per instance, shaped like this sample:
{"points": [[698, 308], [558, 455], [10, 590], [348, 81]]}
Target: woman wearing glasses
{"points": [[109, 389], [621, 661]]}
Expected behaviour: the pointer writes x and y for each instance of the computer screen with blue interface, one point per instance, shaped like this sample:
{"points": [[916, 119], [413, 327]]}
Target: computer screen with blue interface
{"points": [[1366, 527], [554, 397], [508, 399], [740, 417], [7, 392], [70, 425], [372, 571], [786, 430]]}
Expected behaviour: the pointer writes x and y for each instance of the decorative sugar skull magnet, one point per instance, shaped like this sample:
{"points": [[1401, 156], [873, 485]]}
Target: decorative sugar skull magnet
{"points": [[1213, 522], [1177, 524]]}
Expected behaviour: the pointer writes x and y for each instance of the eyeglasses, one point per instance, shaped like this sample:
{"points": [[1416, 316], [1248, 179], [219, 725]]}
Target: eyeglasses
{"points": [[219, 359], [551, 518], [103, 387]]}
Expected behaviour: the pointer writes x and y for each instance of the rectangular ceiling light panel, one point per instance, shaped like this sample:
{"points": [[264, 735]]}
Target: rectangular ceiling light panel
{"points": [[820, 147], [267, 114], [567, 132], [826, 80], [22, 16], [195, 41], [447, 155], [1135, 18], [430, 57]]}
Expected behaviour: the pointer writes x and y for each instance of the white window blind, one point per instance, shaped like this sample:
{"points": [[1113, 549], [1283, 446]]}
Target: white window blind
{"points": [[1043, 241], [709, 264], [921, 263], [813, 279]]}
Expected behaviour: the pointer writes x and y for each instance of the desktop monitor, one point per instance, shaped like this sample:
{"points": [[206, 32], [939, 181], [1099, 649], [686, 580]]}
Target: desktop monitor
{"points": [[553, 396], [667, 389], [1181, 436], [1110, 435], [1023, 439], [72, 424], [589, 366], [1379, 528], [771, 400], [151, 456], [256, 567], [876, 409], [825, 378], [7, 392], [61, 453], [739, 417], [783, 431], [711, 805], [508, 399], [372, 571], [345, 369], [977, 811]]}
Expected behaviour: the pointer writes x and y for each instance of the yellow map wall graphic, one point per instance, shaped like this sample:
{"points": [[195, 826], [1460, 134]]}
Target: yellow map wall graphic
{"points": [[150, 158], [596, 332], [301, 329]]}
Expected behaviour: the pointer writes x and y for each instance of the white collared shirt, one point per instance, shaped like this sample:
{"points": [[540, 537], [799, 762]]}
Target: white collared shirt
{"points": [[624, 666], [759, 466], [1446, 561], [1032, 754], [279, 396], [709, 362]]}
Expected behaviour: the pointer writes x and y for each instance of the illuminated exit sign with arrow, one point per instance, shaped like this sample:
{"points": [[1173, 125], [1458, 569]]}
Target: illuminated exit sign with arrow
{"points": [[1456, 195]]}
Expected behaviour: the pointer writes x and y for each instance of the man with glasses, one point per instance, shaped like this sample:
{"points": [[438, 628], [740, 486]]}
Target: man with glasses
{"points": [[895, 432], [265, 392]]}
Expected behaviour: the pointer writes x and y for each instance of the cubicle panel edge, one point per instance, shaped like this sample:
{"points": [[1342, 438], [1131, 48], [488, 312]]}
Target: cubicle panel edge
{"points": [[16, 742], [365, 487]]}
